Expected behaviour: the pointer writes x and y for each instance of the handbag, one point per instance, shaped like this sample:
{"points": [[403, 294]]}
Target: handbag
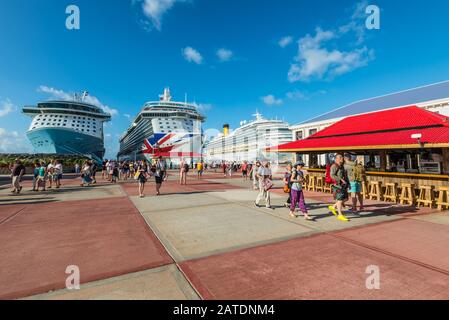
{"points": [[267, 185], [287, 189], [137, 175]]}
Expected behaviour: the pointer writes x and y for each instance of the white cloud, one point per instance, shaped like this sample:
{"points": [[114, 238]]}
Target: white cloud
{"points": [[192, 55], [13, 142], [314, 60], [319, 57], [154, 10], [224, 54], [285, 41], [271, 100], [60, 94], [357, 22], [296, 95], [203, 107], [6, 107]]}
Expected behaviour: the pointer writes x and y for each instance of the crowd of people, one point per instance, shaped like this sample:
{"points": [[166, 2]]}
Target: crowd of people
{"points": [[45, 176], [344, 175]]}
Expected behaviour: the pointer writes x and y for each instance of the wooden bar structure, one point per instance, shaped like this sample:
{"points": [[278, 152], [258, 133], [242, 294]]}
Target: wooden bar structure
{"points": [[407, 148]]}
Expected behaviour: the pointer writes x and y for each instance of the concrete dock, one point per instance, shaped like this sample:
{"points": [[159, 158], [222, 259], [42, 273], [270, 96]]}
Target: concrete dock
{"points": [[207, 240]]}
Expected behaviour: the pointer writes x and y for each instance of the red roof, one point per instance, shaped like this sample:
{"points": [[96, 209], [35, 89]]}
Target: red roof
{"points": [[390, 129]]}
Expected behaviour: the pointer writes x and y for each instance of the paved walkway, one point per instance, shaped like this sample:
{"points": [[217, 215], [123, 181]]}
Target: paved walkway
{"points": [[207, 240]]}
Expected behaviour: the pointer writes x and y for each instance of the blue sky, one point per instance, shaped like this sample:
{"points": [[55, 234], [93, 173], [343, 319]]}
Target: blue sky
{"points": [[226, 55]]}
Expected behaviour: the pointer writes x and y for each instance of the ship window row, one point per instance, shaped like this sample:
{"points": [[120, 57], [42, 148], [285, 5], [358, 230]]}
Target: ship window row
{"points": [[60, 116]]}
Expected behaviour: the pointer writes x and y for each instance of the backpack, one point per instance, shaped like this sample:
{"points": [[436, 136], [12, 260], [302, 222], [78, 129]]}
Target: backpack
{"points": [[329, 179], [358, 173]]}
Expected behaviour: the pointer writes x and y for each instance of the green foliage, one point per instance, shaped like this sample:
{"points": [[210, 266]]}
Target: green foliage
{"points": [[29, 159]]}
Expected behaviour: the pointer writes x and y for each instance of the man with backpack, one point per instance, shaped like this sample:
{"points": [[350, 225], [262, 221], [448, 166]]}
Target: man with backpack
{"points": [[336, 176], [356, 176]]}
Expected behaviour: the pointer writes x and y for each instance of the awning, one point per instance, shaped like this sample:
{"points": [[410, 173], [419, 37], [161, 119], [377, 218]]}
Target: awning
{"points": [[384, 130]]}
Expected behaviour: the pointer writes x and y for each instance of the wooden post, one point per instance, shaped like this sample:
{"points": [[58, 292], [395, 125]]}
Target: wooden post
{"points": [[446, 160], [383, 160]]}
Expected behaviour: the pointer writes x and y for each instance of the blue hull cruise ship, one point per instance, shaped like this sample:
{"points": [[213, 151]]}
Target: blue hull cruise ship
{"points": [[67, 128]]}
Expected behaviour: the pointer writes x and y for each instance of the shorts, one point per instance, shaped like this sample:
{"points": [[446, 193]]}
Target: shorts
{"points": [[340, 194], [159, 179], [245, 173], [356, 187], [142, 179]]}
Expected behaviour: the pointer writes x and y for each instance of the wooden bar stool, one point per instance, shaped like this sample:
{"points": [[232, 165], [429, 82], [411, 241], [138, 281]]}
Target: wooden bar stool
{"points": [[365, 190], [426, 196], [375, 190], [319, 184], [391, 192], [312, 183], [443, 198], [306, 181], [327, 188], [407, 194]]}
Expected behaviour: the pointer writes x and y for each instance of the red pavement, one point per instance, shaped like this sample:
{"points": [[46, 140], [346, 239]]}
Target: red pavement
{"points": [[105, 238], [318, 267], [8, 211], [423, 242]]}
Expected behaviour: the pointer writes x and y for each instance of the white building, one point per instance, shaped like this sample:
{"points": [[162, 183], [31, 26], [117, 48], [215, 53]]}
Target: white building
{"points": [[434, 97]]}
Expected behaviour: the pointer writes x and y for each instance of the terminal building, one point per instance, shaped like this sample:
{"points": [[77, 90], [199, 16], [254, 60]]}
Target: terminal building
{"points": [[434, 98]]}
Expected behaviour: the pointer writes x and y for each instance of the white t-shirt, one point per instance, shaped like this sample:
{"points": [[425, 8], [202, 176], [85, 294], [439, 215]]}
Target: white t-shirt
{"points": [[58, 168], [264, 172]]}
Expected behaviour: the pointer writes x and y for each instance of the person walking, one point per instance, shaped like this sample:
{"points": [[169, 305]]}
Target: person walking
{"points": [[200, 169], [356, 175], [297, 194], [77, 168], [94, 169], [253, 173], [17, 172], [142, 174], [50, 173], [245, 170], [86, 173], [265, 184], [41, 179], [340, 186], [288, 184], [183, 170], [160, 174], [57, 175], [35, 175]]}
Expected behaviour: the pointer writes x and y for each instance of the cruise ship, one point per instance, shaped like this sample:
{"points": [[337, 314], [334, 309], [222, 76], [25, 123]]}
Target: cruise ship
{"points": [[249, 142], [67, 128], [164, 128]]}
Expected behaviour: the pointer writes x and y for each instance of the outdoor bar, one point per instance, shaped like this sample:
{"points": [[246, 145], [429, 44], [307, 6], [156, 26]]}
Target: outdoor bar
{"points": [[405, 152]]}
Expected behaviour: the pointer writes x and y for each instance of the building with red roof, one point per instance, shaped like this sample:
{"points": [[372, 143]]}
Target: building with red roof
{"points": [[408, 139]]}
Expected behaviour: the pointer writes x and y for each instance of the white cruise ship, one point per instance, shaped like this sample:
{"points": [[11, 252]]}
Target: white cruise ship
{"points": [[249, 142], [164, 128], [67, 128]]}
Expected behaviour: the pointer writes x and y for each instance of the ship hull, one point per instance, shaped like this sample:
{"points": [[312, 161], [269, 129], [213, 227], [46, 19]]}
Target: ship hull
{"points": [[65, 141], [174, 145]]}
